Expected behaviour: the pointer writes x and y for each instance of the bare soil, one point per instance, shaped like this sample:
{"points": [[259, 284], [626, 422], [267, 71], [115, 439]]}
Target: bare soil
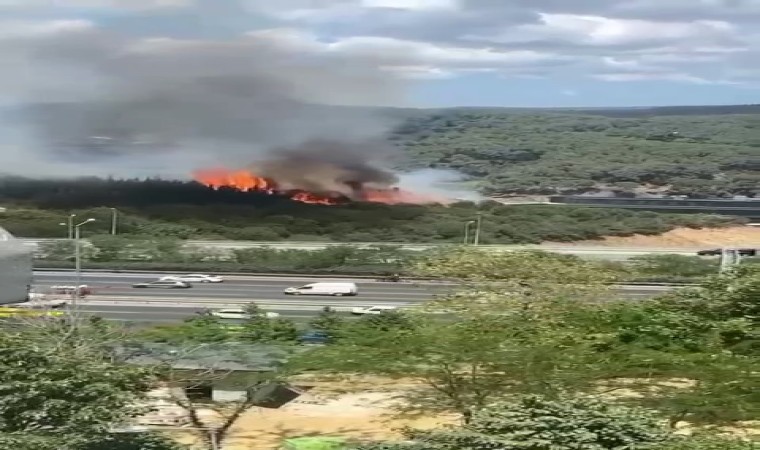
{"points": [[367, 412], [682, 237]]}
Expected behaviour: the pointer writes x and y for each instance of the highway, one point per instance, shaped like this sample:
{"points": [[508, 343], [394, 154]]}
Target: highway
{"points": [[115, 298]]}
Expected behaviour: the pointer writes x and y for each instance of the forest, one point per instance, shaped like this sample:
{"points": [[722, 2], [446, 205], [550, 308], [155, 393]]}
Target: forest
{"points": [[187, 210], [702, 152]]}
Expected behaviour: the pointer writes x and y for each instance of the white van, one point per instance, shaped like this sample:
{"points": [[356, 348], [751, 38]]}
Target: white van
{"points": [[336, 289]]}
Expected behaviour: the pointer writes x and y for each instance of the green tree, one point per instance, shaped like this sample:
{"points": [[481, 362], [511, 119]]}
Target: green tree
{"points": [[674, 266], [203, 327], [283, 330], [108, 248], [706, 441], [328, 321], [133, 441], [536, 423], [59, 381], [731, 295], [258, 327], [463, 364], [56, 250]]}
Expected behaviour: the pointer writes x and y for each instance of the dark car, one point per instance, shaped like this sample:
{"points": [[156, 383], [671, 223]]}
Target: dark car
{"points": [[163, 284], [314, 337], [718, 252]]}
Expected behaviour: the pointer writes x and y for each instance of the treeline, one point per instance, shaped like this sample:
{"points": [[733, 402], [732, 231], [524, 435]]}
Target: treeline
{"points": [[150, 253], [186, 210], [540, 152]]}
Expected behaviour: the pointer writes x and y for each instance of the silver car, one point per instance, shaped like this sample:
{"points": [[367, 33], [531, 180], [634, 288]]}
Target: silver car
{"points": [[163, 284]]}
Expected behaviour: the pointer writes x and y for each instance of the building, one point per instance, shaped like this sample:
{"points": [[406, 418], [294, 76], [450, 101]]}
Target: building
{"points": [[15, 269], [221, 372]]}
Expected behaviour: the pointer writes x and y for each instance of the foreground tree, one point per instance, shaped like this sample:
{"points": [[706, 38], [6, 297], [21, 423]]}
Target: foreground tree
{"points": [[258, 327], [537, 423], [706, 339], [462, 363], [328, 321], [61, 387]]}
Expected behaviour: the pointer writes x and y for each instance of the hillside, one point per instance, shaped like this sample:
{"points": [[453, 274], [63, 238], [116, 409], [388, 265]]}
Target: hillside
{"points": [[660, 150]]}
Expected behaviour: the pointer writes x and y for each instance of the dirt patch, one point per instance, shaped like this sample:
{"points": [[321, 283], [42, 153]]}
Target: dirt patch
{"points": [[363, 408], [366, 412], [682, 237]]}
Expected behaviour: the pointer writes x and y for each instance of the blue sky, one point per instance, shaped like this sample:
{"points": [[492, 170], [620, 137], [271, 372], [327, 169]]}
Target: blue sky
{"points": [[447, 52]]}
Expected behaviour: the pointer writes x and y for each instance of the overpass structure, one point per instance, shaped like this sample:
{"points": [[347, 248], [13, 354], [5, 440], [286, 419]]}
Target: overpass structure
{"points": [[749, 208]]}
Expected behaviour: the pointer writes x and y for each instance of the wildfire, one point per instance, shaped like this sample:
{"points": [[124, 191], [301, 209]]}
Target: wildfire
{"points": [[244, 180]]}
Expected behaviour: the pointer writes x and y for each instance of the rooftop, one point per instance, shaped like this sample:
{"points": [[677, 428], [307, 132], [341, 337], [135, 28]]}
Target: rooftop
{"points": [[224, 356]]}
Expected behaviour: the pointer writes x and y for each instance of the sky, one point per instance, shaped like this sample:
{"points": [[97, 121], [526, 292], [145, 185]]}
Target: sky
{"points": [[514, 53]]}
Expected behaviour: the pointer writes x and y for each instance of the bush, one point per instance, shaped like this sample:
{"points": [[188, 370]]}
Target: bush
{"points": [[536, 423], [674, 265]]}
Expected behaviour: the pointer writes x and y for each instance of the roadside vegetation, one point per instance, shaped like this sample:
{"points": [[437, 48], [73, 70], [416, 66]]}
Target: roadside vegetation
{"points": [[36, 208], [147, 253], [535, 352]]}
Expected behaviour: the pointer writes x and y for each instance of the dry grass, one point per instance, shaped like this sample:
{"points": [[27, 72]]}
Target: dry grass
{"points": [[684, 237]]}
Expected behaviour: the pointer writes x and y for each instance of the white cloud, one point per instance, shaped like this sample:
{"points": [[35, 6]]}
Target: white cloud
{"points": [[407, 58], [605, 31], [690, 41], [415, 5], [95, 4], [649, 76], [30, 28]]}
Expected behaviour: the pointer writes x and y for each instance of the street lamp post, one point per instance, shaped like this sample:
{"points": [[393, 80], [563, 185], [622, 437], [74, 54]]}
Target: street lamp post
{"points": [[114, 220], [64, 224], [479, 222], [71, 225], [78, 257], [467, 226]]}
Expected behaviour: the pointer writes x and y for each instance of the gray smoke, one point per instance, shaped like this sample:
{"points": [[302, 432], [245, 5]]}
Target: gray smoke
{"points": [[325, 166], [86, 101]]}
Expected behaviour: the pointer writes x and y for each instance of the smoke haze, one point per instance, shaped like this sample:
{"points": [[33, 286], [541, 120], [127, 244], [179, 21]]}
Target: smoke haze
{"points": [[83, 100]]}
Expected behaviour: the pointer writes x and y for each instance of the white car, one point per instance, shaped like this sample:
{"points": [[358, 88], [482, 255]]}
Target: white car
{"points": [[163, 284], [34, 303], [194, 278], [239, 314], [335, 289], [373, 310]]}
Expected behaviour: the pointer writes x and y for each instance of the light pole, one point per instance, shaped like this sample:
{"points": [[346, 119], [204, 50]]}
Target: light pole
{"points": [[64, 224], [479, 222], [71, 225], [78, 257], [114, 219], [467, 226]]}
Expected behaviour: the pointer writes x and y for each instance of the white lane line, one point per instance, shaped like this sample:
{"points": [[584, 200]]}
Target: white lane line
{"points": [[112, 311], [165, 304]]}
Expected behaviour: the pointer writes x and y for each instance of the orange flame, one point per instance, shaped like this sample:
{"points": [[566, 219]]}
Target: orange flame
{"points": [[240, 179], [246, 181]]}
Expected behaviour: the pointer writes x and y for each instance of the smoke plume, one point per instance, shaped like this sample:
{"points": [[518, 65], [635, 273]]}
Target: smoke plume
{"points": [[83, 100]]}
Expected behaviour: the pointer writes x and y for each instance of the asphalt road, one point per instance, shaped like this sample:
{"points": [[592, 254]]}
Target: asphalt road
{"points": [[114, 298]]}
